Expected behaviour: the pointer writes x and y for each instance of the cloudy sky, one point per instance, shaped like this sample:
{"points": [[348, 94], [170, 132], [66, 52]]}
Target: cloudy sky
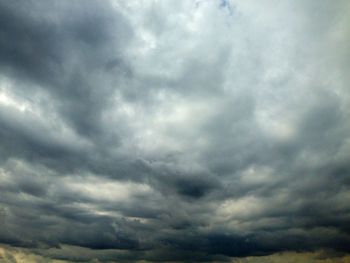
{"points": [[180, 131]]}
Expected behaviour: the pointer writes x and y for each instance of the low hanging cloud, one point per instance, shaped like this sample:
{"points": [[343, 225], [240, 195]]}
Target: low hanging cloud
{"points": [[174, 131]]}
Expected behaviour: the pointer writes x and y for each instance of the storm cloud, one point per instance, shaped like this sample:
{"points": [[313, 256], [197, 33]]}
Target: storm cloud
{"points": [[182, 131]]}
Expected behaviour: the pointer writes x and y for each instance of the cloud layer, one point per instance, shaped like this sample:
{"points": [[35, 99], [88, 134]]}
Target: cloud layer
{"points": [[174, 130]]}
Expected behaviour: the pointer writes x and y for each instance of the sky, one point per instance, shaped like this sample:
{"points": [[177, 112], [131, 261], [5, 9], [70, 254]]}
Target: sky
{"points": [[175, 131]]}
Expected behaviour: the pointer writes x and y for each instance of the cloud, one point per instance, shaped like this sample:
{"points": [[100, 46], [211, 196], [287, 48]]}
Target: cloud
{"points": [[79, 254], [174, 130]]}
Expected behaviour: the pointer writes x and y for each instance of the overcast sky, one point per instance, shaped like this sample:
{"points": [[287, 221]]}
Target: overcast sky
{"points": [[182, 131]]}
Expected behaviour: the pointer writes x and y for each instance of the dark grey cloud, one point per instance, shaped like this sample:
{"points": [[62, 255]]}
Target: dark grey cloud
{"points": [[174, 130]]}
